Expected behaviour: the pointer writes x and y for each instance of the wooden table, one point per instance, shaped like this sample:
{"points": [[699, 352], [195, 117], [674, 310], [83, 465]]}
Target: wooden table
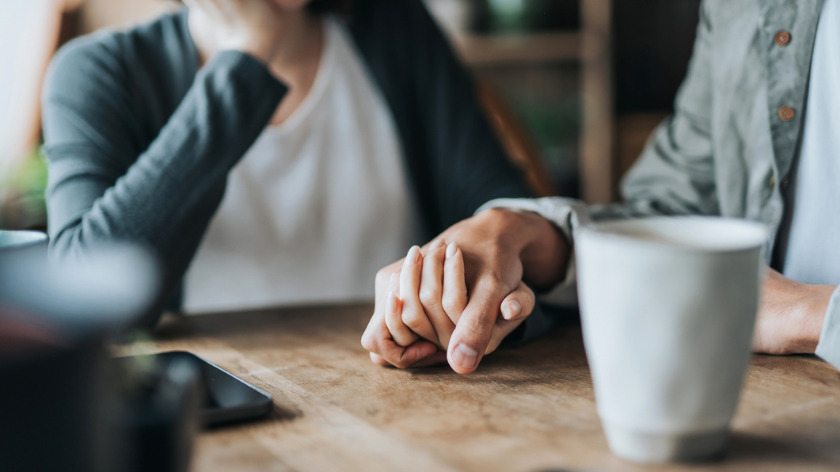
{"points": [[530, 408]]}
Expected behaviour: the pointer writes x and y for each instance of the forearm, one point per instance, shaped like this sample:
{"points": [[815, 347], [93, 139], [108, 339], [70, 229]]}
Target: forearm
{"points": [[167, 196], [793, 316]]}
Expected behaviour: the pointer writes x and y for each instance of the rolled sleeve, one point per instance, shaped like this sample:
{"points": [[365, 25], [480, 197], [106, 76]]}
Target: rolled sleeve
{"points": [[829, 345]]}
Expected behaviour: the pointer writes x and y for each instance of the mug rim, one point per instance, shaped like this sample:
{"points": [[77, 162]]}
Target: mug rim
{"points": [[610, 230]]}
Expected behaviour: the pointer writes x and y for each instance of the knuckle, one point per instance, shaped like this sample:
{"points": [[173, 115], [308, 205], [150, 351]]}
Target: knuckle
{"points": [[452, 304], [368, 342], [429, 297], [411, 318], [392, 321], [476, 330], [492, 284]]}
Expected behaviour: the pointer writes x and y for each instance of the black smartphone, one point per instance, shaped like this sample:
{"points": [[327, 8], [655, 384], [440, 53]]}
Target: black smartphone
{"points": [[227, 398]]}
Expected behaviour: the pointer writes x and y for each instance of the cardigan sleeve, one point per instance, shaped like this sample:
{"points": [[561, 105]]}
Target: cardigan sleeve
{"points": [[105, 187]]}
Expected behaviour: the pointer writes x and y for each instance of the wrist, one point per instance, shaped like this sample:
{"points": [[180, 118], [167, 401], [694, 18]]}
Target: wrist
{"points": [[542, 248], [812, 316], [546, 257]]}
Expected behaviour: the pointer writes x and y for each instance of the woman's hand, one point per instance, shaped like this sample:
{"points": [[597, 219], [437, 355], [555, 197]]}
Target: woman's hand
{"points": [[387, 338], [433, 295], [250, 26]]}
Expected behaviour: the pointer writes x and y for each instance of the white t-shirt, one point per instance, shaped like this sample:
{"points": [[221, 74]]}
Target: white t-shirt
{"points": [[812, 253], [316, 206]]}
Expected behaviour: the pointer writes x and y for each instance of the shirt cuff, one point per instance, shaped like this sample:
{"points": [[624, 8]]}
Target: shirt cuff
{"points": [[564, 213], [829, 346]]}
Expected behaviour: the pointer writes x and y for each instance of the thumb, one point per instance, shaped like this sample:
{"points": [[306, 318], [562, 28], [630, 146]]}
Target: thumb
{"points": [[472, 333]]}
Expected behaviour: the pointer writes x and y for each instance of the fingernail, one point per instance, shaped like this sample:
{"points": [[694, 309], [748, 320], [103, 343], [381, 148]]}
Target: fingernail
{"points": [[511, 309], [451, 249], [413, 256], [437, 244], [465, 356]]}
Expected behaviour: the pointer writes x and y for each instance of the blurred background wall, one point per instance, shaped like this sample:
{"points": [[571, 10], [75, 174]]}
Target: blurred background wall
{"points": [[585, 80]]}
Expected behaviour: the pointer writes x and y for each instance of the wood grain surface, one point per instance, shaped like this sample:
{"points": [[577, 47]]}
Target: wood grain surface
{"points": [[529, 408]]}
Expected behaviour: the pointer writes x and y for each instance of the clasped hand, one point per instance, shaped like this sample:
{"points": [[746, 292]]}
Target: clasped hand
{"points": [[458, 297]]}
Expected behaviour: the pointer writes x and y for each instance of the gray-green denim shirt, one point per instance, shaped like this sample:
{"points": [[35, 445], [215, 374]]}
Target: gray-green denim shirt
{"points": [[730, 144]]}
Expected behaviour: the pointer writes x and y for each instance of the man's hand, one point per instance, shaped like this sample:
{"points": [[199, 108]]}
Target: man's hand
{"points": [[790, 315], [498, 248]]}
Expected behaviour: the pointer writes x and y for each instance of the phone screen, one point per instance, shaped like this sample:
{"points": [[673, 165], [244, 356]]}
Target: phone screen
{"points": [[227, 398]]}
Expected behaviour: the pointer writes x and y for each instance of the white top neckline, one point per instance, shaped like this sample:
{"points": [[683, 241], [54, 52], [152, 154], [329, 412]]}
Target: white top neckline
{"points": [[316, 205]]}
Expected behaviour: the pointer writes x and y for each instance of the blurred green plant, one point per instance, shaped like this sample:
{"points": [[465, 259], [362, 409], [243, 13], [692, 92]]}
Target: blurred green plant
{"points": [[555, 127], [553, 123], [507, 16], [22, 204]]}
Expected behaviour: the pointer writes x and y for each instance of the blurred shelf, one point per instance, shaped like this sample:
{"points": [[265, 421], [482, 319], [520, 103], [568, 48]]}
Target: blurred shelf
{"points": [[589, 48], [519, 48]]}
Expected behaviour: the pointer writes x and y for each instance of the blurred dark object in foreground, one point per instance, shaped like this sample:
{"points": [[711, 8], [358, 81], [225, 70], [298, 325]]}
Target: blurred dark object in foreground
{"points": [[63, 405]]}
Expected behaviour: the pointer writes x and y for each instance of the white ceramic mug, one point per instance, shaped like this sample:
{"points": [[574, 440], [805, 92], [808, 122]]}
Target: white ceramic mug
{"points": [[668, 309]]}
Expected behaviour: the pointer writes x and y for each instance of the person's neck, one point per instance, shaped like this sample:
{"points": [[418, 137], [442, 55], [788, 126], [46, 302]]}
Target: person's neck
{"points": [[300, 40]]}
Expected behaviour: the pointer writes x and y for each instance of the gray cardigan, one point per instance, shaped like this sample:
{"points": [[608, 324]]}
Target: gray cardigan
{"points": [[140, 140]]}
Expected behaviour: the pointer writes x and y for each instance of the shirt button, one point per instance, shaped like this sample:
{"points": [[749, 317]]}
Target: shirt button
{"points": [[771, 184], [782, 38], [785, 182], [786, 113]]}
